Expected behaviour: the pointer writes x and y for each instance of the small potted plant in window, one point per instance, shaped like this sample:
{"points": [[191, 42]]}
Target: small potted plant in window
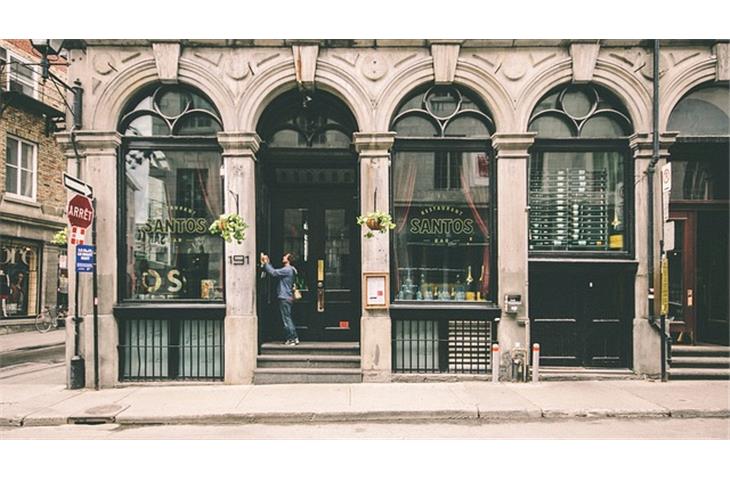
{"points": [[60, 238], [229, 226], [377, 222]]}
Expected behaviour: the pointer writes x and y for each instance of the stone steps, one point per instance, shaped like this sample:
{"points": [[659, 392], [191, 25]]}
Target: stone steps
{"points": [[308, 362], [699, 362]]}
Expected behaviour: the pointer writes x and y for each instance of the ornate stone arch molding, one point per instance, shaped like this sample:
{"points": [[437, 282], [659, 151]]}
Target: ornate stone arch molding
{"points": [[677, 86], [405, 81], [280, 78], [118, 92], [624, 84], [467, 74]]}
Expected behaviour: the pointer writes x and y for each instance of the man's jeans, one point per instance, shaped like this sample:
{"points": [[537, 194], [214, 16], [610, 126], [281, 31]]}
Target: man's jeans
{"points": [[289, 329]]}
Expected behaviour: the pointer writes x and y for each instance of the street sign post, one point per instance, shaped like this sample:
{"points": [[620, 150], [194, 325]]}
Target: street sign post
{"points": [[85, 258], [78, 186], [80, 212]]}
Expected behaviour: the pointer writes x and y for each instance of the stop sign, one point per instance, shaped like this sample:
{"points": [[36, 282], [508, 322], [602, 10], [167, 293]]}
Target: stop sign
{"points": [[80, 212]]}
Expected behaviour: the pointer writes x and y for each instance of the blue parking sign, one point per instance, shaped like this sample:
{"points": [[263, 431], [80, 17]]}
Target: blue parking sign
{"points": [[85, 258]]}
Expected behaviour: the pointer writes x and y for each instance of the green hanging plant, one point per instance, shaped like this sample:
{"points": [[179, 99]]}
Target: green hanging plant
{"points": [[229, 227], [377, 222], [60, 238]]}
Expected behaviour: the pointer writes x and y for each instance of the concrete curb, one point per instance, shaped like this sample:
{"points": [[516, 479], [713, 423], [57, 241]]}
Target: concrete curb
{"points": [[445, 416]]}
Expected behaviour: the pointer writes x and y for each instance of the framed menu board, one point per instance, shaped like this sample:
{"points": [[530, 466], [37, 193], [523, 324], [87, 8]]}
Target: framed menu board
{"points": [[375, 290]]}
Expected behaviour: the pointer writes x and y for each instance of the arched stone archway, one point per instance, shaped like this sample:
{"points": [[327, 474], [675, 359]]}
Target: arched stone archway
{"points": [[681, 83]]}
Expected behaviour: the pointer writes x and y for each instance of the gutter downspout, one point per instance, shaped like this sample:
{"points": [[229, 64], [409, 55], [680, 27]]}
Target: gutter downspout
{"points": [[650, 171]]}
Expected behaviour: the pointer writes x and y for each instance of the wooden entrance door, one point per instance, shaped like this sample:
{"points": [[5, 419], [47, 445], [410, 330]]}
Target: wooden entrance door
{"points": [[581, 315], [319, 228], [698, 276]]}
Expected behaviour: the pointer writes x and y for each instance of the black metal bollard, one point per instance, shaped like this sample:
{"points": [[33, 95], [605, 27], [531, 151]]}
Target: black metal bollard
{"points": [[78, 373]]}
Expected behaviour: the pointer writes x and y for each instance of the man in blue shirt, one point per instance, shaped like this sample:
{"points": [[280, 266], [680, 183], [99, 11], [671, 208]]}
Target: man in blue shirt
{"points": [[284, 293]]}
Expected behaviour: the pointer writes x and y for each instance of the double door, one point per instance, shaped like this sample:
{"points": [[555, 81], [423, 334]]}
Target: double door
{"points": [[318, 226], [698, 276], [581, 315]]}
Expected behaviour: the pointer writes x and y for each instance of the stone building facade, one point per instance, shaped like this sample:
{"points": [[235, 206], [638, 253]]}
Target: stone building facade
{"points": [[458, 140], [31, 203]]}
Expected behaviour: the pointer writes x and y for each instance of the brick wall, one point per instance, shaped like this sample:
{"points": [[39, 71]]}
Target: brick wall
{"points": [[51, 161]]}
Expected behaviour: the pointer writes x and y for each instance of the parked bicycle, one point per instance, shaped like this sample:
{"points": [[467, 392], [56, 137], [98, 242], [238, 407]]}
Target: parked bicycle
{"points": [[48, 318]]}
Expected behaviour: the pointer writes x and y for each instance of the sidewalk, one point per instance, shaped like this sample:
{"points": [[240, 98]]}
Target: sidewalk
{"points": [[30, 340], [36, 405]]}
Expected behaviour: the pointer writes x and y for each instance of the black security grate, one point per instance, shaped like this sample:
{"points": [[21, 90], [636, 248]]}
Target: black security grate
{"points": [[171, 349], [441, 346]]}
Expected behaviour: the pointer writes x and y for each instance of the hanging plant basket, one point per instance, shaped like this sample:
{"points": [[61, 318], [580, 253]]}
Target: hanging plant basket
{"points": [[376, 222], [229, 226], [60, 238]]}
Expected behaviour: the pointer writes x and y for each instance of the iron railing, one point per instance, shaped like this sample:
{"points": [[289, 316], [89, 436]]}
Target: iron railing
{"points": [[171, 349], [442, 346]]}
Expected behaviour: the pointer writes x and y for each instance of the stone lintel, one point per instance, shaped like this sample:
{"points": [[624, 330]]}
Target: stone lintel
{"points": [[167, 56], [584, 56], [239, 144], [513, 145], [90, 142], [373, 144]]}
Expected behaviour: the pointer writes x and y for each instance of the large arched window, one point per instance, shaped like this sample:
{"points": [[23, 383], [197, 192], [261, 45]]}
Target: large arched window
{"points": [[443, 189], [171, 194], [580, 173], [700, 156]]}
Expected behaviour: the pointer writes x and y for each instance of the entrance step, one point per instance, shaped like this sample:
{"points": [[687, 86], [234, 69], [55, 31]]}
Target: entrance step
{"points": [[700, 351], [308, 361], [699, 373], [578, 373], [699, 362], [312, 348], [265, 376]]}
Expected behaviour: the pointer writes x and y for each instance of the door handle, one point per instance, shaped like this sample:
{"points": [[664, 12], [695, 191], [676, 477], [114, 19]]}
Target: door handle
{"points": [[320, 286], [690, 297]]}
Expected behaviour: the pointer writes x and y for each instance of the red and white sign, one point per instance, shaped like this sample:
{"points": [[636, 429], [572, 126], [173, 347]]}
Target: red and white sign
{"points": [[80, 212], [77, 235]]}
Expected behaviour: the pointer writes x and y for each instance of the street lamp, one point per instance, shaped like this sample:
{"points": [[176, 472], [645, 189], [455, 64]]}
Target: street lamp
{"points": [[47, 47]]}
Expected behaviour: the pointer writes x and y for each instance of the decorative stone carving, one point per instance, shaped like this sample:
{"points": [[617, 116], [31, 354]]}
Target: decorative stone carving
{"points": [[166, 56], [646, 65], [212, 58], [236, 67], [514, 67], [584, 56], [348, 58], [722, 69], [445, 57], [405, 59], [373, 68], [305, 64], [104, 63]]}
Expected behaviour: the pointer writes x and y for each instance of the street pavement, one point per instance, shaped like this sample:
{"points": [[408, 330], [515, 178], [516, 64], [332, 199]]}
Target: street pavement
{"points": [[16, 348], [40, 398]]}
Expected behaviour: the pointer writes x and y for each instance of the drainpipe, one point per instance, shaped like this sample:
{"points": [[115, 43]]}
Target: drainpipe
{"points": [[650, 171]]}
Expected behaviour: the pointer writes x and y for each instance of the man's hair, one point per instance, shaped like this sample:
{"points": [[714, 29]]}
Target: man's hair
{"points": [[290, 256]]}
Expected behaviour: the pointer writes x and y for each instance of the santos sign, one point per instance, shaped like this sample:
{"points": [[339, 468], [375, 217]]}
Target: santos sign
{"points": [[443, 224]]}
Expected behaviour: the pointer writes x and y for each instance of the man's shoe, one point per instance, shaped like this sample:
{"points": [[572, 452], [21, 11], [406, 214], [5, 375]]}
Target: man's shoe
{"points": [[296, 341], [289, 342]]}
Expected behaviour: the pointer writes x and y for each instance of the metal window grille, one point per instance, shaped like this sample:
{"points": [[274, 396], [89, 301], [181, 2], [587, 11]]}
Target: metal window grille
{"points": [[171, 349], [441, 346]]}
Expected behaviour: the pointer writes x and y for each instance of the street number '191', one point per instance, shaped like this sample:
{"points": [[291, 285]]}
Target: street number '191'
{"points": [[238, 259]]}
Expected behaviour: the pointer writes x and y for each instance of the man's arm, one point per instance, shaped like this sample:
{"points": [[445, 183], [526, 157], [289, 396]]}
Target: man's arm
{"points": [[275, 272]]}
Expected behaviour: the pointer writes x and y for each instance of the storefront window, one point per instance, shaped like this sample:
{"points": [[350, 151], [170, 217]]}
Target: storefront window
{"points": [[442, 198], [578, 172], [172, 196], [19, 278]]}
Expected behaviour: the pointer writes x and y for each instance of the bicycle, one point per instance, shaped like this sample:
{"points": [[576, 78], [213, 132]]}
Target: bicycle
{"points": [[48, 318]]}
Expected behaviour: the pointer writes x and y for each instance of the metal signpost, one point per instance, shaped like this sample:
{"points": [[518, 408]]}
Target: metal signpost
{"points": [[80, 213]]}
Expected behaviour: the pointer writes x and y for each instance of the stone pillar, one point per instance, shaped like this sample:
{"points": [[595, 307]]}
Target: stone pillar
{"points": [[241, 323], [646, 340], [98, 167], [512, 261], [375, 326]]}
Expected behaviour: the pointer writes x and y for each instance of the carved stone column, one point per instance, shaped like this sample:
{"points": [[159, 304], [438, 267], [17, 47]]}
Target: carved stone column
{"points": [[98, 153], [645, 339], [512, 261], [241, 322], [375, 327]]}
